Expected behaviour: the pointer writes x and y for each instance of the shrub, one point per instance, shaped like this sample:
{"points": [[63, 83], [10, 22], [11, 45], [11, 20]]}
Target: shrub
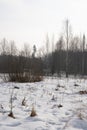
{"points": [[24, 77]]}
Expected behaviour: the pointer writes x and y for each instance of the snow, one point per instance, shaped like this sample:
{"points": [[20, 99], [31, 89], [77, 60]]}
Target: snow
{"points": [[46, 97]]}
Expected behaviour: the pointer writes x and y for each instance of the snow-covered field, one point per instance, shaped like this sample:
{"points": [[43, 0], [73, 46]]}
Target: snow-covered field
{"points": [[58, 104]]}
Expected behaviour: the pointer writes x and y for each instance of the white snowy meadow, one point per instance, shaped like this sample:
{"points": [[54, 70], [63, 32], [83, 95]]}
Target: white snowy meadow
{"points": [[60, 104]]}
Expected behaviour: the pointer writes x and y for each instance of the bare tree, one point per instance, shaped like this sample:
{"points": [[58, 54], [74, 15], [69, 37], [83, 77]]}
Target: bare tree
{"points": [[60, 44], [41, 52], [12, 48], [47, 52], [74, 44], [52, 60], [4, 47], [68, 35], [26, 50], [52, 43], [34, 51], [47, 44], [83, 58], [59, 49], [67, 41]]}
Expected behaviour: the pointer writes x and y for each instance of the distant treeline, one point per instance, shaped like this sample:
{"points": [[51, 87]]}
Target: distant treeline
{"points": [[68, 55], [57, 62], [20, 64], [48, 65]]}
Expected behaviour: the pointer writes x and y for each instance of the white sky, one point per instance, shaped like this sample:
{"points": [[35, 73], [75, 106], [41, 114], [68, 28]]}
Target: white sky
{"points": [[30, 20]]}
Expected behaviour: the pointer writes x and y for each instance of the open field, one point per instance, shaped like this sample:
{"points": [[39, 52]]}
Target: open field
{"points": [[60, 104]]}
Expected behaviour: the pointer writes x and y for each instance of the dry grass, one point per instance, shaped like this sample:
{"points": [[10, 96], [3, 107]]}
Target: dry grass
{"points": [[59, 106], [83, 92], [33, 112], [80, 116], [24, 102], [76, 84], [11, 115]]}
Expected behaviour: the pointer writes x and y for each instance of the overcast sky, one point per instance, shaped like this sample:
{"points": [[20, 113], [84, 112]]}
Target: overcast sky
{"points": [[30, 20]]}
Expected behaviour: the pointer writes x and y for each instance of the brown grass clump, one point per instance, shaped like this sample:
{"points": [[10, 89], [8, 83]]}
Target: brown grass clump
{"points": [[33, 112], [53, 98], [83, 92], [60, 86], [80, 116], [76, 84], [59, 106], [56, 89], [24, 102], [11, 115]]}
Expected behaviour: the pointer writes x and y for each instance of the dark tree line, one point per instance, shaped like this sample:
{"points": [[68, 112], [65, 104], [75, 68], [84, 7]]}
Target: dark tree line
{"points": [[57, 62], [77, 57]]}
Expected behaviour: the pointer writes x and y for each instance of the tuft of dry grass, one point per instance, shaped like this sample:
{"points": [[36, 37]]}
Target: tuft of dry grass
{"points": [[59, 106], [24, 102], [83, 92], [60, 86], [33, 112], [11, 115], [80, 116], [76, 84], [56, 89]]}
